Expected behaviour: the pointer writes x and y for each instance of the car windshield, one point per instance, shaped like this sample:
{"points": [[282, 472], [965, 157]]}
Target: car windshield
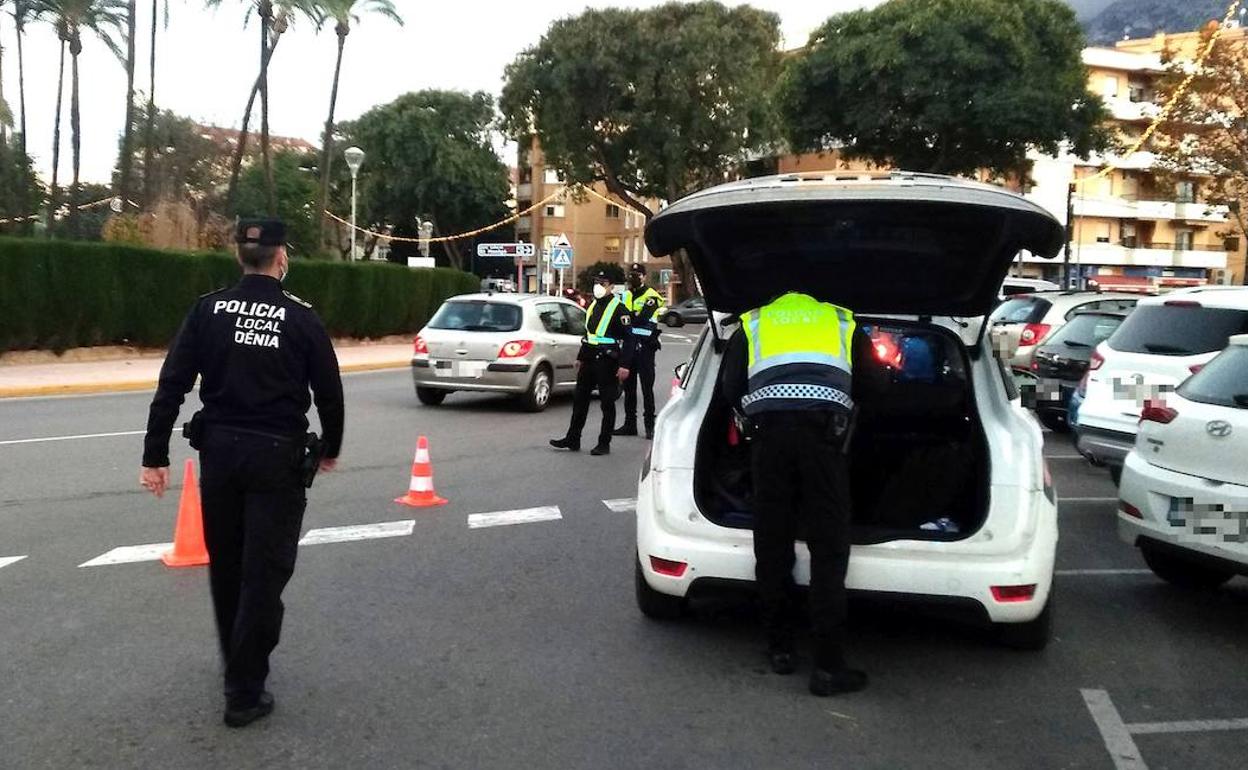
{"points": [[1174, 329], [477, 316], [1086, 330], [1021, 310], [1224, 381]]}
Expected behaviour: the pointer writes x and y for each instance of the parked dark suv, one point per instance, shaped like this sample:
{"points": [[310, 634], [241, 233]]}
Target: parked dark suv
{"points": [[1061, 361]]}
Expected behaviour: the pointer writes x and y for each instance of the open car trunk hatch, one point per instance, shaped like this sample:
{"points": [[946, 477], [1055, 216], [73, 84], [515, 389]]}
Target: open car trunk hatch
{"points": [[897, 243]]}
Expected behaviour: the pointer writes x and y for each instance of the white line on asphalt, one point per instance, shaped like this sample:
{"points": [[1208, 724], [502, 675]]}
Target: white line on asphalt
{"points": [[622, 505], [358, 532], [129, 554], [1102, 572], [1195, 726], [522, 516], [71, 438], [1118, 740], [7, 560]]}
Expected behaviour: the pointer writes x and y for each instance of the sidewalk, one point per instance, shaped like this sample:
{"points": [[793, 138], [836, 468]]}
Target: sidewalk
{"points": [[27, 374]]}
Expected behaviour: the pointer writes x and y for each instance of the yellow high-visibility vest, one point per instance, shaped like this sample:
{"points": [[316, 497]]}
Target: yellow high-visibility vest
{"points": [[800, 355], [598, 334]]}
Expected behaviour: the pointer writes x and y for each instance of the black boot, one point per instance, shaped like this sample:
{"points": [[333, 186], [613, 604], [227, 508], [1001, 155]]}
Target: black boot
{"points": [[629, 428], [650, 427], [567, 442], [238, 715], [824, 682], [603, 448], [782, 655]]}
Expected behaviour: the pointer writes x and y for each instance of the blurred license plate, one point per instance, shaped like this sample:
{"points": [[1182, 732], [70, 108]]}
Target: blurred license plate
{"points": [[472, 369]]}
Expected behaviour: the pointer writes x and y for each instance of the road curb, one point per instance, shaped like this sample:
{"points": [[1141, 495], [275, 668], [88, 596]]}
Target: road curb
{"points": [[123, 386]]}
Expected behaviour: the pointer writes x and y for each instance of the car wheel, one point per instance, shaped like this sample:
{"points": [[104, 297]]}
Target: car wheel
{"points": [[430, 396], [655, 605], [1115, 473], [538, 395], [1032, 635], [673, 321], [1182, 572], [1053, 422]]}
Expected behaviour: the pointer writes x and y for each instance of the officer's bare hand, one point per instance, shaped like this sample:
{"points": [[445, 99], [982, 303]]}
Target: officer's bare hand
{"points": [[622, 374], [329, 464], [155, 480]]}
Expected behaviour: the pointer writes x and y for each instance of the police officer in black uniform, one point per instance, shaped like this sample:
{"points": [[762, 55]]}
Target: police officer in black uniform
{"points": [[646, 305], [257, 349], [604, 362]]}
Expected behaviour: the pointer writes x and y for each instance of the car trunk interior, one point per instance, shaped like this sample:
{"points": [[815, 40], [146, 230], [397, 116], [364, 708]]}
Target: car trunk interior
{"points": [[918, 453]]}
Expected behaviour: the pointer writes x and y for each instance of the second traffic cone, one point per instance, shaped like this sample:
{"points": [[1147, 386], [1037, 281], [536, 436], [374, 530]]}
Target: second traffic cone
{"points": [[188, 534], [420, 492]]}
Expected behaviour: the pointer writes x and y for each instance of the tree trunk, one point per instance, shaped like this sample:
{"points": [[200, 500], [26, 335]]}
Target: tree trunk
{"points": [[680, 261], [149, 131], [236, 165], [56, 144], [127, 134], [75, 125], [21, 80], [327, 144], [266, 21], [4, 129]]}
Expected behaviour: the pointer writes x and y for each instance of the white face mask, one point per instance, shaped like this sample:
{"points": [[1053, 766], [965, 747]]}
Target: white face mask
{"points": [[600, 291]]}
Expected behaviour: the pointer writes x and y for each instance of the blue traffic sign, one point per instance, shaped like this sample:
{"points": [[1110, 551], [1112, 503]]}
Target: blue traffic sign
{"points": [[561, 257]]}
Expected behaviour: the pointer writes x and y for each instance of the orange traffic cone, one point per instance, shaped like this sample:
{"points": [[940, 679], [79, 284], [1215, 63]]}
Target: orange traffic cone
{"points": [[420, 492], [188, 535]]}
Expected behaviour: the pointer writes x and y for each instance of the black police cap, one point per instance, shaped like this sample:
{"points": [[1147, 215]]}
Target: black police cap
{"points": [[637, 267], [603, 275], [262, 232]]}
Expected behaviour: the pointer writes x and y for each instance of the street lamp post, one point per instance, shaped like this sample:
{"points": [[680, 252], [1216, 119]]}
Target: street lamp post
{"points": [[355, 158]]}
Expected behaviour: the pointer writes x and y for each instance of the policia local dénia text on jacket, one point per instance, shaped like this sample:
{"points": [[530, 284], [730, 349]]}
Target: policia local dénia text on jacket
{"points": [[257, 349]]}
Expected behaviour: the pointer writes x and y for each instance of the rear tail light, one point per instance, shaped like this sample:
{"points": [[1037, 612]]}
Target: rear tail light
{"points": [[516, 349], [1195, 368], [419, 346], [1005, 594], [1033, 333], [1129, 509], [668, 567], [1035, 366], [1155, 411], [1096, 362]]}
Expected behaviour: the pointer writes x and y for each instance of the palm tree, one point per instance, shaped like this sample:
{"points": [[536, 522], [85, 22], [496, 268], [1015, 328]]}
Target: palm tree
{"points": [[127, 131], [343, 13], [24, 12], [149, 132], [62, 34]]}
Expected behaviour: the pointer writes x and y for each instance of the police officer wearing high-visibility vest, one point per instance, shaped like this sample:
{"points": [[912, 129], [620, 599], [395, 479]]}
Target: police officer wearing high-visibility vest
{"points": [[256, 349], [646, 306], [790, 368], [604, 361]]}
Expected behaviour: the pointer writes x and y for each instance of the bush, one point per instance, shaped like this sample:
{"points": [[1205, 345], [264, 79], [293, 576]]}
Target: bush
{"points": [[61, 294]]}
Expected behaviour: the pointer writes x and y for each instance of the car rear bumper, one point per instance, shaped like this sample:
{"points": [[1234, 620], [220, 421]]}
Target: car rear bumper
{"points": [[1104, 447], [497, 378]]}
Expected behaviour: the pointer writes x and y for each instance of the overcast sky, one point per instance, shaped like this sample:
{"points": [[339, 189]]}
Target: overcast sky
{"points": [[207, 62]]}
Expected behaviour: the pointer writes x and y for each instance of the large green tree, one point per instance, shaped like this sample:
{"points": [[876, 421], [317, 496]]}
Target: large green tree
{"points": [[945, 86], [20, 191], [653, 103], [181, 165], [430, 156], [294, 193]]}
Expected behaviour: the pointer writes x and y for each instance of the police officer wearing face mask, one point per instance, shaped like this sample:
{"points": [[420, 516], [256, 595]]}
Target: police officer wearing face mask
{"points": [[646, 306], [604, 361], [256, 349]]}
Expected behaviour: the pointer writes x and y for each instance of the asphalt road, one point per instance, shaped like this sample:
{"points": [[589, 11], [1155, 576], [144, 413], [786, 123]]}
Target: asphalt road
{"points": [[520, 646]]}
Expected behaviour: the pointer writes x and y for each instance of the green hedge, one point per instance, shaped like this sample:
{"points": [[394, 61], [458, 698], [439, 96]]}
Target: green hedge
{"points": [[60, 294]]}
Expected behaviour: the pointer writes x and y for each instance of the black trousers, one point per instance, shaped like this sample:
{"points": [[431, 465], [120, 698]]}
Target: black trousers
{"points": [[643, 371], [599, 371], [801, 479], [253, 501]]}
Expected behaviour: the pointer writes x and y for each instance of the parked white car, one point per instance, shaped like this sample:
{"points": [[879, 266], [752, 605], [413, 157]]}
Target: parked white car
{"points": [[952, 441], [1023, 322], [1161, 344], [1184, 492]]}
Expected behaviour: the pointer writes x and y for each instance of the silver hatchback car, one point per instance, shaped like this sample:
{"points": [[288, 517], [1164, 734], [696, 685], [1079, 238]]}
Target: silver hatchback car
{"points": [[522, 344]]}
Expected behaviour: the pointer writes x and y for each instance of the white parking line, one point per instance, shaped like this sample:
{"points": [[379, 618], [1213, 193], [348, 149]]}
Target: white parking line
{"points": [[522, 516], [1118, 734], [1194, 726], [7, 560], [129, 554], [622, 505], [1077, 572], [358, 532], [46, 439]]}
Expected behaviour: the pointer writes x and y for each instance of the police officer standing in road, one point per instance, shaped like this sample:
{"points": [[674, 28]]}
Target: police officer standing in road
{"points": [[257, 349], [790, 368], [646, 306], [604, 361]]}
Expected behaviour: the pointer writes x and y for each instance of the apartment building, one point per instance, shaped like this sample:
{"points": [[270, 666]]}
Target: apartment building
{"points": [[597, 230]]}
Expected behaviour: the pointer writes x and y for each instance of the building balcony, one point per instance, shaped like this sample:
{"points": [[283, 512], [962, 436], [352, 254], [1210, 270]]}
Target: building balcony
{"points": [[1127, 110], [1125, 208], [524, 224], [1149, 255]]}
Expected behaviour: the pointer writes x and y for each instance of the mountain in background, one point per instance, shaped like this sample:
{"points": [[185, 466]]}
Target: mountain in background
{"points": [[1144, 18]]}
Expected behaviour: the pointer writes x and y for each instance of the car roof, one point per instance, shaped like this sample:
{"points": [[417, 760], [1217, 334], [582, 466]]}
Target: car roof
{"points": [[507, 297], [1228, 297]]}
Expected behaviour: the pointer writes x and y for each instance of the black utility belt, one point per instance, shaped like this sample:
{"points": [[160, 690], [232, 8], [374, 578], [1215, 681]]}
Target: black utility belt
{"points": [[612, 351]]}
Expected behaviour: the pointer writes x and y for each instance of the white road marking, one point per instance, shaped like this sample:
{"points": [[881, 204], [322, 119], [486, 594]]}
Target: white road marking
{"points": [[622, 505], [129, 554], [71, 438], [522, 516], [1102, 572], [1195, 726], [7, 560], [1118, 740], [358, 532]]}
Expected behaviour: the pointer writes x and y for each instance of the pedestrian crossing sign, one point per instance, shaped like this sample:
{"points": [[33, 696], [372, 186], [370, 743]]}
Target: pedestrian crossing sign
{"points": [[561, 252]]}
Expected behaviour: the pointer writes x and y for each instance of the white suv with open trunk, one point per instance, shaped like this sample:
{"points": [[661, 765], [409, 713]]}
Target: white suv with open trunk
{"points": [[952, 501]]}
